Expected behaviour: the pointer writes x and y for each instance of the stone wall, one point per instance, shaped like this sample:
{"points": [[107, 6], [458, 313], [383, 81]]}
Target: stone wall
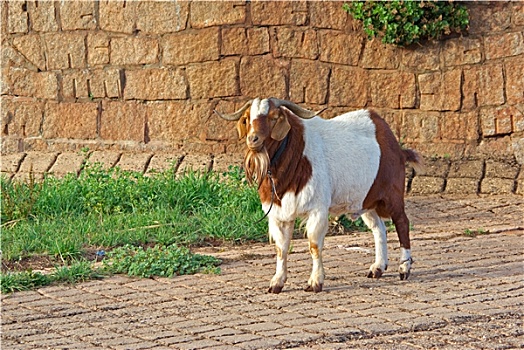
{"points": [[124, 76]]}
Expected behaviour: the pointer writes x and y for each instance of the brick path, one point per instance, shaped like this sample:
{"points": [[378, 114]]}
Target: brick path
{"points": [[465, 291]]}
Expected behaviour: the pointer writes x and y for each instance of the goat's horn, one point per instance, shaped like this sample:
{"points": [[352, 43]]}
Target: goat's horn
{"points": [[301, 112], [236, 115]]}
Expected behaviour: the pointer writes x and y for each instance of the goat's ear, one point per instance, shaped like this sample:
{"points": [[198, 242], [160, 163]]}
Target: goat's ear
{"points": [[281, 128], [243, 125]]}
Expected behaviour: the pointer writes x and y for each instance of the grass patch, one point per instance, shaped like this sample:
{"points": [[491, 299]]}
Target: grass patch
{"points": [[147, 224]]}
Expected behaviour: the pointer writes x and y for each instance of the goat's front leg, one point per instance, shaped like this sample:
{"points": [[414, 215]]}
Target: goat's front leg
{"points": [[376, 224], [316, 227], [281, 232]]}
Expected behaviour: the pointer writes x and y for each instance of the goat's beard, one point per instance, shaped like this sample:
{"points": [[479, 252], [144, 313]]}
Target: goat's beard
{"points": [[256, 165]]}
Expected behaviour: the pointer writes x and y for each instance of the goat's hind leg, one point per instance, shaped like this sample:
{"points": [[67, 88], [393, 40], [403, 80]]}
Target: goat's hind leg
{"points": [[376, 224], [281, 232], [401, 222]]}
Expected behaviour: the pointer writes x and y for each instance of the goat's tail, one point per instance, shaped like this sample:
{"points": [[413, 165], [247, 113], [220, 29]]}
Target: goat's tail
{"points": [[414, 159]]}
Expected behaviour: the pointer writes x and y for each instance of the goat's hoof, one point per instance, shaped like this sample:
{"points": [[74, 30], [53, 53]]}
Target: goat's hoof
{"points": [[317, 288], [404, 269], [275, 289], [376, 273], [404, 275]]}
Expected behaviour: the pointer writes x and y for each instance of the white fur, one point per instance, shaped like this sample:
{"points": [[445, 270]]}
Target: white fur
{"points": [[258, 107]]}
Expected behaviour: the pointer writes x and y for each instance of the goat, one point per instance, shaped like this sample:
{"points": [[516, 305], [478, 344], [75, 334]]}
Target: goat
{"points": [[311, 167]]}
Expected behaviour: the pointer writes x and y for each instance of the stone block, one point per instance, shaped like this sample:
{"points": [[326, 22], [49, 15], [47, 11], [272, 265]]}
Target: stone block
{"points": [[194, 162], [70, 120], [134, 50], [244, 41], [122, 121], [497, 186], [517, 146], [459, 127], [24, 82], [440, 91], [296, 43], [308, 81], [492, 147], [213, 79], [483, 86], [30, 46], [420, 126], [159, 17], [392, 90], [17, 17], [460, 51], [340, 47], [488, 16], [466, 169], [502, 170], [42, 16], [517, 14], [21, 117], [513, 68], [279, 12], [501, 120], [262, 76], [68, 162], [377, 55], [134, 161], [425, 57], [328, 14], [504, 45], [217, 13], [65, 50], [462, 186], [11, 162], [435, 168], [348, 86], [178, 121], [520, 186], [89, 84], [37, 162], [77, 15], [222, 162], [427, 185], [162, 162], [191, 46], [107, 159], [27, 177], [118, 16], [155, 84], [97, 48]]}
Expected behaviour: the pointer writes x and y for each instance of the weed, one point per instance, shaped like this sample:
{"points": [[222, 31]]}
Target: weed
{"points": [[474, 233], [163, 261]]}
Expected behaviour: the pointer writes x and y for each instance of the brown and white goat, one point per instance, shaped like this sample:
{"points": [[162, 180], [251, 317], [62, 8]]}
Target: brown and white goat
{"points": [[310, 167]]}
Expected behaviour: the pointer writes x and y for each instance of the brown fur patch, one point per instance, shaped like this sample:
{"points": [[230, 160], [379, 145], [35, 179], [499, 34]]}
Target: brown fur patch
{"points": [[386, 195], [293, 170]]}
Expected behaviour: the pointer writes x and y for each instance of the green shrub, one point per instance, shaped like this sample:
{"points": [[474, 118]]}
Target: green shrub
{"points": [[406, 22]]}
